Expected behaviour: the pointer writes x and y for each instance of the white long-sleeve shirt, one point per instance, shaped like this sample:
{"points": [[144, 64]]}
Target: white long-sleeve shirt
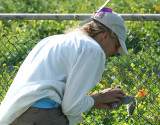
{"points": [[63, 68]]}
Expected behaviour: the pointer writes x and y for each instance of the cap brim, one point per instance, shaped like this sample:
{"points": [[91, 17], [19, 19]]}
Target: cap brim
{"points": [[86, 21], [123, 49]]}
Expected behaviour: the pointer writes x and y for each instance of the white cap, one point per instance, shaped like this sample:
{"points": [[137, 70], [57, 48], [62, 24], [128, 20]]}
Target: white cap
{"points": [[116, 23]]}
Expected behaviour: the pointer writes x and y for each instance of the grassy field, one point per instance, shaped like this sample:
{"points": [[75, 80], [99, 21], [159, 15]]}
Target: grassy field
{"points": [[138, 74]]}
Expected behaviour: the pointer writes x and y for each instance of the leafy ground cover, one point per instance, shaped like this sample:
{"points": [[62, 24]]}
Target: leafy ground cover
{"points": [[138, 74]]}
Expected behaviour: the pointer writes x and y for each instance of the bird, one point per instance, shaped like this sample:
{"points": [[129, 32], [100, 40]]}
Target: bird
{"points": [[127, 100]]}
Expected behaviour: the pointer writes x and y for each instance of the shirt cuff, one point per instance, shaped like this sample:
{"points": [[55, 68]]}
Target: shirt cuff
{"points": [[78, 119]]}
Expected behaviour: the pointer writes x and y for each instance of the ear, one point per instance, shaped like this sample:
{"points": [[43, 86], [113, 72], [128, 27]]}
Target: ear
{"points": [[104, 36]]}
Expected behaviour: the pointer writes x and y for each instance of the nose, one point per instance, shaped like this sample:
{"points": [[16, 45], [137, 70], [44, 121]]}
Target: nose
{"points": [[114, 54]]}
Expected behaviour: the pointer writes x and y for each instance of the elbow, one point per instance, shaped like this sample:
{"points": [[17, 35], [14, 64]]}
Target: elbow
{"points": [[69, 110]]}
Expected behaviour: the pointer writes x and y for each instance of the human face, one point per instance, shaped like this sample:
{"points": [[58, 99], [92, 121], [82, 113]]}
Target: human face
{"points": [[109, 44]]}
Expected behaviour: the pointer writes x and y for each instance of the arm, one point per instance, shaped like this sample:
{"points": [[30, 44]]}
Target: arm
{"points": [[106, 97], [84, 75]]}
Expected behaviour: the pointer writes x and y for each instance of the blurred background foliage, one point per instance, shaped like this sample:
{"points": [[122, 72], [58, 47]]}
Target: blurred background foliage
{"points": [[138, 74]]}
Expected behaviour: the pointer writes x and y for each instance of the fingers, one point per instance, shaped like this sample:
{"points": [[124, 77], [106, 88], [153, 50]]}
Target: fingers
{"points": [[114, 90], [112, 95], [103, 106], [118, 90], [119, 95], [107, 106], [119, 104], [106, 97]]}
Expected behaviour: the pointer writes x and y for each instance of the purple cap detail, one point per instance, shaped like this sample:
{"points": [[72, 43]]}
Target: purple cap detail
{"points": [[104, 10]]}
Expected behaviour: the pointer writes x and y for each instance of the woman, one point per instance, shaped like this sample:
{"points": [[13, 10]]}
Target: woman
{"points": [[51, 85]]}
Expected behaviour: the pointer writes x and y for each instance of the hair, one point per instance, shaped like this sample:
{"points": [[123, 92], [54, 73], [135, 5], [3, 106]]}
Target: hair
{"points": [[95, 27]]}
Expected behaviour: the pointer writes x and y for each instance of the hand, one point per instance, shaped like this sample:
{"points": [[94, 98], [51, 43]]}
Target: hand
{"points": [[102, 99], [102, 106], [111, 95]]}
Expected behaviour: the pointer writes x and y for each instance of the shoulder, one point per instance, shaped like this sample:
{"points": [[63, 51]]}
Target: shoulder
{"points": [[86, 46], [84, 41]]}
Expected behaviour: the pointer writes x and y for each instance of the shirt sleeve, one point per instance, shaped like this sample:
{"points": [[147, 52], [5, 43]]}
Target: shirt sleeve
{"points": [[85, 74]]}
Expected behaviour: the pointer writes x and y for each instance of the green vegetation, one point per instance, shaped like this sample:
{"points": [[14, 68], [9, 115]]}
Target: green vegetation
{"points": [[138, 74]]}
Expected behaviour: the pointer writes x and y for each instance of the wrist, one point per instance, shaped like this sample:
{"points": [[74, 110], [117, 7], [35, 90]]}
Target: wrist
{"points": [[97, 99]]}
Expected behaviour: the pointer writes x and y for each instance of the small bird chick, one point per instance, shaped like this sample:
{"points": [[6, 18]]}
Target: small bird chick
{"points": [[129, 101]]}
